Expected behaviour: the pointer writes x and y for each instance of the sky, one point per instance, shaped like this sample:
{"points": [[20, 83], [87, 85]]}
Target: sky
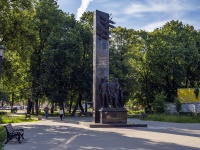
{"points": [[139, 14]]}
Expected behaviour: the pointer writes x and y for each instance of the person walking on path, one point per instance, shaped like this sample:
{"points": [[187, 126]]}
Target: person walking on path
{"points": [[46, 110], [61, 114]]}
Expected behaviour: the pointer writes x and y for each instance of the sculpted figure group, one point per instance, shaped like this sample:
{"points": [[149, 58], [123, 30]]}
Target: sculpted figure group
{"points": [[110, 93]]}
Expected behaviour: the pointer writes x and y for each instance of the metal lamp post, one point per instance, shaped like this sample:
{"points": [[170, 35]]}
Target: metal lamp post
{"points": [[1, 55]]}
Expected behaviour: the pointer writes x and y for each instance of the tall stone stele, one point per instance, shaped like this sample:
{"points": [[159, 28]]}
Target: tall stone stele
{"points": [[101, 23]]}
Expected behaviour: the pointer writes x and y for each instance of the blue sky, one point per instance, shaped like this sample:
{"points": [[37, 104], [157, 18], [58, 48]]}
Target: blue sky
{"points": [[139, 14]]}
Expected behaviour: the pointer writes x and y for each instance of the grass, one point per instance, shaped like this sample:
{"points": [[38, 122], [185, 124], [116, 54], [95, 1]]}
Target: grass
{"points": [[5, 119], [174, 118], [182, 118]]}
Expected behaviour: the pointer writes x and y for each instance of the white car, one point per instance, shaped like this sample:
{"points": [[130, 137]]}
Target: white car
{"points": [[88, 106], [7, 107], [18, 107]]}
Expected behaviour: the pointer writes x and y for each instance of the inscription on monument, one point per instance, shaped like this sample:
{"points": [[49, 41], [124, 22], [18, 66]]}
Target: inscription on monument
{"points": [[102, 62]]}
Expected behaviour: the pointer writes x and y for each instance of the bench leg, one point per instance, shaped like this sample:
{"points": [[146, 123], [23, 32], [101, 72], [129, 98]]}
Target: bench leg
{"points": [[22, 135], [7, 141], [18, 138]]}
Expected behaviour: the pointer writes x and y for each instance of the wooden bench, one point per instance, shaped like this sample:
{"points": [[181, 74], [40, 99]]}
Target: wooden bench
{"points": [[13, 133], [27, 116], [85, 114], [142, 116]]}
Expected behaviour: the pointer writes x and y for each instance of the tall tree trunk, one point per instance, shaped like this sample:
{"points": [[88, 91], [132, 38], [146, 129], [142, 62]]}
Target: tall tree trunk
{"points": [[71, 101], [80, 105], [36, 106], [77, 103], [52, 107], [86, 105], [12, 102], [32, 104], [29, 106]]}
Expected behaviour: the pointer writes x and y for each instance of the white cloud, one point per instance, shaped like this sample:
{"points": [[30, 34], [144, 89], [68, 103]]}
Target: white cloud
{"points": [[195, 23], [151, 26], [159, 6], [156, 13], [139, 14], [82, 8], [157, 24]]}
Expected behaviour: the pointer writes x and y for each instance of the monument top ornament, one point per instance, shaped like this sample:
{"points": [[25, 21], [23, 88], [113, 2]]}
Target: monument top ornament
{"points": [[103, 23]]}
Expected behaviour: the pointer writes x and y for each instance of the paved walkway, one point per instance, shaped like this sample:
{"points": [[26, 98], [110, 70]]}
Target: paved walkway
{"points": [[52, 134]]}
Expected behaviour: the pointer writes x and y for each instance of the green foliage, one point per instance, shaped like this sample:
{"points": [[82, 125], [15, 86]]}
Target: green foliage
{"points": [[49, 53], [122, 59], [134, 112], [159, 103], [18, 37], [178, 104], [2, 136], [4, 96]]}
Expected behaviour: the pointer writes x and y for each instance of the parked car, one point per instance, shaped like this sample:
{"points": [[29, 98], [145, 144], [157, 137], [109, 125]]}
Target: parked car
{"points": [[6, 107], [18, 107]]}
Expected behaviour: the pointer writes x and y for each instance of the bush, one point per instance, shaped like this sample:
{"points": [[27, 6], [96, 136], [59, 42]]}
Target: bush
{"points": [[178, 104], [2, 136], [187, 113], [3, 113], [159, 103]]}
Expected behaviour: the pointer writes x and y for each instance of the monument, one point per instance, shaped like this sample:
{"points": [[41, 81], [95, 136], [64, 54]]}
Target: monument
{"points": [[108, 104], [107, 98]]}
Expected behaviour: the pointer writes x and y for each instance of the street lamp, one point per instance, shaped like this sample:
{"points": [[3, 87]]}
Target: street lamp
{"points": [[1, 55]]}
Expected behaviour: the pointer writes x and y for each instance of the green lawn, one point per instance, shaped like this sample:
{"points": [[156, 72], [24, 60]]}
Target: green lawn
{"points": [[174, 118], [182, 118], [5, 119]]}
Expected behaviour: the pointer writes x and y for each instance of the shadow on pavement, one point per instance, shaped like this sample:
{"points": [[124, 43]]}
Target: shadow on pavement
{"points": [[56, 135]]}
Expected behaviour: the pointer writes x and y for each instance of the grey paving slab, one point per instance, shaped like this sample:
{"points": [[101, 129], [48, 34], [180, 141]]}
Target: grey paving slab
{"points": [[52, 134]]}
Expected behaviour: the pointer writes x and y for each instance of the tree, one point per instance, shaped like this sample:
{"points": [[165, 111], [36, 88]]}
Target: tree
{"points": [[48, 20], [18, 37], [122, 56], [172, 58]]}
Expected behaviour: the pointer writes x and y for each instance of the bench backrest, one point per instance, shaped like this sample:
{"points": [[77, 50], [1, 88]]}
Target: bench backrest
{"points": [[9, 128]]}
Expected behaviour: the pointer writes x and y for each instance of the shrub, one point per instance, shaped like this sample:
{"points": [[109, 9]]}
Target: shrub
{"points": [[159, 103], [2, 136], [178, 104]]}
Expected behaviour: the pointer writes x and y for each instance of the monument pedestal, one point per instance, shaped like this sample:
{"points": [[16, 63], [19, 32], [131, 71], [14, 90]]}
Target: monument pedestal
{"points": [[113, 115]]}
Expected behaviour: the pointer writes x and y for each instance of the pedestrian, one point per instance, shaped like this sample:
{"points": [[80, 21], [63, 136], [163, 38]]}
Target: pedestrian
{"points": [[61, 114], [46, 110]]}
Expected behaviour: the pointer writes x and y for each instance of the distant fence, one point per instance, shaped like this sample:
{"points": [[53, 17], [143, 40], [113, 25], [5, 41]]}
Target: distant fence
{"points": [[186, 107]]}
